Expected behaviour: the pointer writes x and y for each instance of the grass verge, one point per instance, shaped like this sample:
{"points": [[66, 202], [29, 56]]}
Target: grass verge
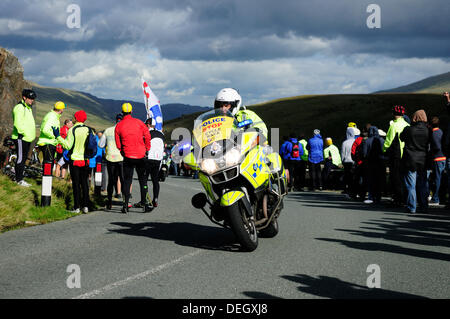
{"points": [[20, 206]]}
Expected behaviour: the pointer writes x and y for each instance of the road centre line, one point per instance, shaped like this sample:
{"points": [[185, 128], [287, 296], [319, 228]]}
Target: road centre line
{"points": [[138, 276]]}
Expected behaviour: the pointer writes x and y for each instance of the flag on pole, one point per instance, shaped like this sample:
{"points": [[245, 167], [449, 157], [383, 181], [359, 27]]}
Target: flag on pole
{"points": [[152, 106]]}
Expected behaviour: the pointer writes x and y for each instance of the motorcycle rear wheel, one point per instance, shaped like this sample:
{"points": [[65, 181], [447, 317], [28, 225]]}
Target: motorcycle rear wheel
{"points": [[244, 228]]}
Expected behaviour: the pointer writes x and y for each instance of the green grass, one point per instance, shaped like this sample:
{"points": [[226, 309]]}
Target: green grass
{"points": [[20, 206], [331, 113]]}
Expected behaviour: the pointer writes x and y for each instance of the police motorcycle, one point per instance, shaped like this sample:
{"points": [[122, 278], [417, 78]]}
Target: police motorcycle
{"points": [[164, 169], [245, 182]]}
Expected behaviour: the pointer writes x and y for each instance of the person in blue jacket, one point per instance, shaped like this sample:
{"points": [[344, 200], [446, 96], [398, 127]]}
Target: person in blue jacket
{"points": [[284, 155], [292, 154], [315, 157]]}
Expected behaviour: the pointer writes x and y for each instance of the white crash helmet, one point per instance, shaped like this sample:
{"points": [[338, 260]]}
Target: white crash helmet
{"points": [[231, 96]]}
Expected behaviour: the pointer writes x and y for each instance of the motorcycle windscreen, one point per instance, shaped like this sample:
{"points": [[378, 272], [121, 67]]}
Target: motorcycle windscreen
{"points": [[214, 129]]}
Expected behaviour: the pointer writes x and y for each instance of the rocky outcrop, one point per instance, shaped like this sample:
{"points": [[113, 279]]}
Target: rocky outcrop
{"points": [[11, 85]]}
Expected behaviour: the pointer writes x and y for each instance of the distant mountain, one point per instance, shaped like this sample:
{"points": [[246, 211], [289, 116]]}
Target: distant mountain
{"points": [[108, 108], [434, 84], [170, 111]]}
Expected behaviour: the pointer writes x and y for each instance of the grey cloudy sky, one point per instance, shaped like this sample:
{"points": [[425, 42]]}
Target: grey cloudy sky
{"points": [[188, 50]]}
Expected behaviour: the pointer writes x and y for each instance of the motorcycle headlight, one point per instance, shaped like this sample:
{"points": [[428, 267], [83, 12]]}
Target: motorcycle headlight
{"points": [[232, 157], [209, 166]]}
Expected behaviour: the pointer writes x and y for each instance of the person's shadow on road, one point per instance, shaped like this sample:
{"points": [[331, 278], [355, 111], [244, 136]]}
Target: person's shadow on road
{"points": [[184, 234]]}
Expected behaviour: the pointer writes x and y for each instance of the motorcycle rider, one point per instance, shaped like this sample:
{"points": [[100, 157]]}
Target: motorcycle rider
{"points": [[228, 99]]}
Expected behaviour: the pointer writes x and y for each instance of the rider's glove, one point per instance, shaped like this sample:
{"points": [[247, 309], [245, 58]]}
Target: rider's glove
{"points": [[55, 131], [20, 136]]}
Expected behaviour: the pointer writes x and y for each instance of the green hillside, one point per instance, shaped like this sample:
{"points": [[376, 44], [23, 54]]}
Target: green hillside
{"points": [[331, 113], [434, 84], [75, 101]]}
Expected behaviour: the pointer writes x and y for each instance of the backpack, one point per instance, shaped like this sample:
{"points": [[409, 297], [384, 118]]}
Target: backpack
{"points": [[295, 150], [90, 145]]}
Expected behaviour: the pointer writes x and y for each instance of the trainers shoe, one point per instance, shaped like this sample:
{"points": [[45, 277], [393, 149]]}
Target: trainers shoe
{"points": [[23, 183], [75, 211], [368, 201], [139, 205], [433, 204], [155, 202], [119, 196], [108, 206], [85, 210], [125, 209]]}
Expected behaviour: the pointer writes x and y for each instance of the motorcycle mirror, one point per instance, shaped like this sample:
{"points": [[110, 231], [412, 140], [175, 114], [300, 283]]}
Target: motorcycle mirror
{"points": [[199, 200]]}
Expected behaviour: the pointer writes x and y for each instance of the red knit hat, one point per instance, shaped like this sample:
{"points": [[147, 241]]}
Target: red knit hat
{"points": [[80, 116]]}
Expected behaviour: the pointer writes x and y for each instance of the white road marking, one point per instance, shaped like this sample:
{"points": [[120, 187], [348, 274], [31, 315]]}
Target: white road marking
{"points": [[138, 276]]}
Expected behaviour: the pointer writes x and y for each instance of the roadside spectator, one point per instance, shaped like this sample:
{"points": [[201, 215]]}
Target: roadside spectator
{"points": [[153, 162], [93, 162], [24, 132], [61, 164], [294, 151], [360, 176], [114, 161], [47, 141], [79, 165], [133, 141], [303, 163], [416, 139], [393, 147], [315, 149], [376, 171], [332, 161], [446, 146], [284, 156], [347, 161], [438, 159]]}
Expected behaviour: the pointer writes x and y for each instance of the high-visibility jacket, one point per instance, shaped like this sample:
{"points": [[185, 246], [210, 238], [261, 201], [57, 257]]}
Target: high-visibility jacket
{"points": [[46, 137], [305, 151], [333, 152], [258, 123], [23, 122], [396, 127], [109, 141], [76, 141]]}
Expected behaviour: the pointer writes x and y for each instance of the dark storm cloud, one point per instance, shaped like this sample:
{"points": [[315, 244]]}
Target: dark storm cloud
{"points": [[233, 30]]}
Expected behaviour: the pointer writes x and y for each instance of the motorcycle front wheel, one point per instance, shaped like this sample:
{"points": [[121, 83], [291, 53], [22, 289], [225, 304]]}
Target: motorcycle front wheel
{"points": [[244, 229], [271, 230]]}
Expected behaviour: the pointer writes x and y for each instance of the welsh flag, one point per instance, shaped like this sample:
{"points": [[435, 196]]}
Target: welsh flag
{"points": [[152, 106]]}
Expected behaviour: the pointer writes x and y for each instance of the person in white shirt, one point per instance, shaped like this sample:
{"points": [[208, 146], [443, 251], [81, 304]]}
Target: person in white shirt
{"points": [[153, 161]]}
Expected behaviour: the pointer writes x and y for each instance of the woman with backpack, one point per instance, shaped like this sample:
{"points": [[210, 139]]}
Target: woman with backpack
{"points": [[293, 155]]}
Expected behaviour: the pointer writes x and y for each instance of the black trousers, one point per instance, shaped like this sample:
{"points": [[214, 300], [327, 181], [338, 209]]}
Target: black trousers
{"points": [[348, 177], [152, 168], [22, 148], [115, 173], [129, 164], [48, 152], [80, 185], [301, 176], [396, 180], [376, 178], [293, 167], [315, 174], [326, 174]]}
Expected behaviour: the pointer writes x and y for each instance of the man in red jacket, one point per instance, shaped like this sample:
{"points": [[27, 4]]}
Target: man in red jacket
{"points": [[133, 141]]}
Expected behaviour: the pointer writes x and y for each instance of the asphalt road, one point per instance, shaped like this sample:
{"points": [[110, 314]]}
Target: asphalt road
{"points": [[323, 250]]}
